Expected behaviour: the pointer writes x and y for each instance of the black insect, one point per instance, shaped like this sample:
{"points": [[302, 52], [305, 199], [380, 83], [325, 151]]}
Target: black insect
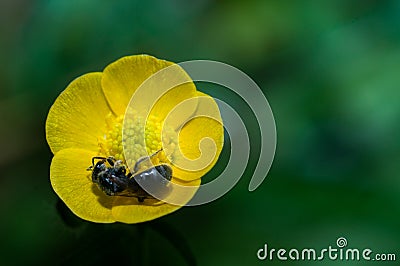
{"points": [[114, 181]]}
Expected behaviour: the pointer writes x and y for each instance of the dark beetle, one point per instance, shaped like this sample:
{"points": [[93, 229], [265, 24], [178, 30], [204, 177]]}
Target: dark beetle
{"points": [[114, 181]]}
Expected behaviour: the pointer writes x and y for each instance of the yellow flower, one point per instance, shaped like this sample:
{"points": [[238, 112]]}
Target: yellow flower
{"points": [[88, 119]]}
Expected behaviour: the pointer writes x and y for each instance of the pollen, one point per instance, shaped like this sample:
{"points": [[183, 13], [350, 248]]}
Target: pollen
{"points": [[136, 137]]}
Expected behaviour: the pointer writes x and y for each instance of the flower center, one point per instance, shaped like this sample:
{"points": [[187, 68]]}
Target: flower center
{"points": [[138, 139]]}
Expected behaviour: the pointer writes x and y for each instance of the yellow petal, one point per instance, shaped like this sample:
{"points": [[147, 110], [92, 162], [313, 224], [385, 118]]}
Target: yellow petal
{"points": [[128, 210], [77, 117], [72, 183], [122, 78], [200, 141], [182, 191]]}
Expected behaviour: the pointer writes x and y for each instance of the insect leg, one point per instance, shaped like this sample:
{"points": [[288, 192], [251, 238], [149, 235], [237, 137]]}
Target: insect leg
{"points": [[144, 158], [97, 158], [90, 168]]}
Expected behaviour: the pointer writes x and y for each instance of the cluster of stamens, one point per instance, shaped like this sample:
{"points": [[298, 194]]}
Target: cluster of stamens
{"points": [[133, 137]]}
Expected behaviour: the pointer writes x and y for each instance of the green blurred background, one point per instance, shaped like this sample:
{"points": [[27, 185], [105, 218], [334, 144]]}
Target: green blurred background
{"points": [[330, 70]]}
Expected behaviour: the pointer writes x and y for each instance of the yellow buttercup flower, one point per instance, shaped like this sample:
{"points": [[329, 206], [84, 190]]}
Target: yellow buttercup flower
{"points": [[95, 117]]}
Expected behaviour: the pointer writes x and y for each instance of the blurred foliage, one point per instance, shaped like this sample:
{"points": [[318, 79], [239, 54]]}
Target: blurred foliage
{"points": [[329, 70]]}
